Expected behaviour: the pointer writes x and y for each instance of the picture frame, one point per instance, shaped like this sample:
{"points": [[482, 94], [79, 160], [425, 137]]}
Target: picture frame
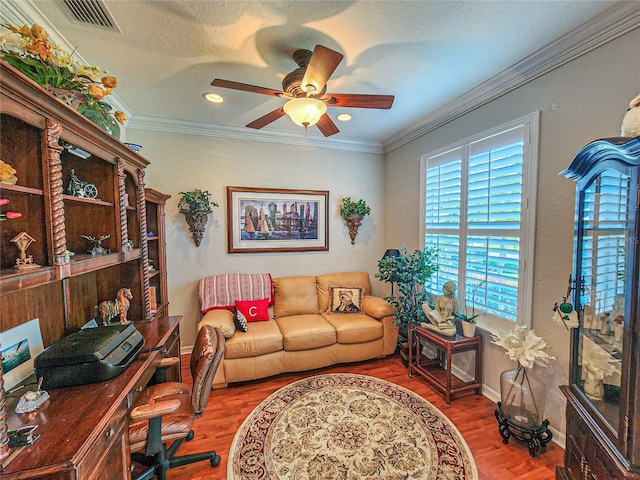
{"points": [[263, 220], [19, 347]]}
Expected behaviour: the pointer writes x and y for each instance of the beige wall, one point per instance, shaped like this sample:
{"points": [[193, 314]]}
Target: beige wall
{"points": [[184, 162], [592, 95]]}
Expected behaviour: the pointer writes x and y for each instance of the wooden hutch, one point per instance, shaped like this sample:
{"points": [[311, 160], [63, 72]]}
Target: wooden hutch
{"points": [[46, 142]]}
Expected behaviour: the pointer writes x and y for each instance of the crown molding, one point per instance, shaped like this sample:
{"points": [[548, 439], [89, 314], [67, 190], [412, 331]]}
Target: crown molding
{"points": [[616, 21], [189, 127]]}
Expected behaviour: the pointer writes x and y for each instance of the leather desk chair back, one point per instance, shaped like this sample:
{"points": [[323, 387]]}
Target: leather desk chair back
{"points": [[205, 359]]}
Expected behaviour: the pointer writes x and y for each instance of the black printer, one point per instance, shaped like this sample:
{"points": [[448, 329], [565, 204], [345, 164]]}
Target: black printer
{"points": [[89, 356]]}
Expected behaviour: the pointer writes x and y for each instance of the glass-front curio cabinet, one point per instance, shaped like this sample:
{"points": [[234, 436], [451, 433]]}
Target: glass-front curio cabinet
{"points": [[603, 397]]}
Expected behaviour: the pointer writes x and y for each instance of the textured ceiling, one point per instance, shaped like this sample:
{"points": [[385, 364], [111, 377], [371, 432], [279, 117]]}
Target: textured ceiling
{"points": [[426, 53]]}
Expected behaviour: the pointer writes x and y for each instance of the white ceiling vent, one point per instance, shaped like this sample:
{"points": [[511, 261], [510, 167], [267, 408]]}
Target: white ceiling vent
{"points": [[90, 12]]}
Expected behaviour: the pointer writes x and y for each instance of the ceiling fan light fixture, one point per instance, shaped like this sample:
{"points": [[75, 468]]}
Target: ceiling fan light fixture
{"points": [[344, 117], [305, 111]]}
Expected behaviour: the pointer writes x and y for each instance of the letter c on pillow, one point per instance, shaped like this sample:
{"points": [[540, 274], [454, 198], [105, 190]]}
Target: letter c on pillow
{"points": [[253, 310]]}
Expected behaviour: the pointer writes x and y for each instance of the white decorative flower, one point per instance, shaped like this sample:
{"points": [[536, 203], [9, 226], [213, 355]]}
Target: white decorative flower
{"points": [[525, 347]]}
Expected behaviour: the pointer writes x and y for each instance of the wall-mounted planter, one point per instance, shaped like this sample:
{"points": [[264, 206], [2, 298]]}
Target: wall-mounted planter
{"points": [[353, 213], [353, 222], [197, 222]]}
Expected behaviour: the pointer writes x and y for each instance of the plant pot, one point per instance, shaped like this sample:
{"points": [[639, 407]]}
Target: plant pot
{"points": [[353, 222], [468, 329], [197, 222]]}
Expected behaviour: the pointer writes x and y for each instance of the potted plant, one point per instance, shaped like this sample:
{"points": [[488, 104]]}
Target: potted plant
{"points": [[353, 213], [410, 272], [82, 87], [469, 321], [195, 205]]}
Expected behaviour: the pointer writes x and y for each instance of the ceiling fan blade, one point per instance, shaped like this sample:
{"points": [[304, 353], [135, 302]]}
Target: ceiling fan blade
{"points": [[267, 119], [245, 87], [326, 126], [354, 100], [323, 63]]}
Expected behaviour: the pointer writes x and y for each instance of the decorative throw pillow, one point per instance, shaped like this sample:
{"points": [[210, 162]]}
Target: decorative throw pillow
{"points": [[253, 310], [345, 300], [241, 322]]}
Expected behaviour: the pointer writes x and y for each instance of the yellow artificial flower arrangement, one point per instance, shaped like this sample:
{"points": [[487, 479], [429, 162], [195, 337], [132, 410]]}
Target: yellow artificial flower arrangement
{"points": [[82, 86]]}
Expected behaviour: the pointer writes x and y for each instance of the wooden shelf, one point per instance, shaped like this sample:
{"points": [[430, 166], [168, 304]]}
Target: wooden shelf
{"points": [[93, 201], [21, 189]]}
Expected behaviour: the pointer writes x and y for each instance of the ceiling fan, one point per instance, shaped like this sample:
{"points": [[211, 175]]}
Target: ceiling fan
{"points": [[306, 90]]}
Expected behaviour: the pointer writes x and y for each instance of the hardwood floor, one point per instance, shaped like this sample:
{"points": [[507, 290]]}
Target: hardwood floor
{"points": [[472, 415]]}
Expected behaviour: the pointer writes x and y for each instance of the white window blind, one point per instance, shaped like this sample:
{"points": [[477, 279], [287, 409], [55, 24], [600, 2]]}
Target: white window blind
{"points": [[477, 214]]}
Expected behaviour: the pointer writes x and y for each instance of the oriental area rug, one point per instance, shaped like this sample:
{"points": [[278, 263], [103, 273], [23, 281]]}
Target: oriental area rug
{"points": [[343, 426]]}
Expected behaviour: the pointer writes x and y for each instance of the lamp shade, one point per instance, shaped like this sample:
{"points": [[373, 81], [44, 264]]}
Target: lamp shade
{"points": [[305, 111], [391, 252]]}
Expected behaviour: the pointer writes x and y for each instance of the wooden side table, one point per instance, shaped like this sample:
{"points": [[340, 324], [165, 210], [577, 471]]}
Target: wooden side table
{"points": [[437, 371]]}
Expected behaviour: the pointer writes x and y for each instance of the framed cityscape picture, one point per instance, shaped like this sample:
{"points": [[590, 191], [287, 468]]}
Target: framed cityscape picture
{"points": [[276, 220]]}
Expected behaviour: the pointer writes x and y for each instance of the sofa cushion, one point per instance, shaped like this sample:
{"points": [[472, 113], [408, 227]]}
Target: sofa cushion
{"points": [[344, 279], [241, 322], [295, 296], [355, 328], [304, 332], [345, 300], [253, 310], [260, 339]]}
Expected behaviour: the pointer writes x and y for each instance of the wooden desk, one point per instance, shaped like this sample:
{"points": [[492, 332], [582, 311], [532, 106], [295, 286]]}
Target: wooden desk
{"points": [[84, 430], [437, 371]]}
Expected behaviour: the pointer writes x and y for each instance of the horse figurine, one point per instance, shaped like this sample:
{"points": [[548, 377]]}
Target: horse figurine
{"points": [[123, 301], [116, 308]]}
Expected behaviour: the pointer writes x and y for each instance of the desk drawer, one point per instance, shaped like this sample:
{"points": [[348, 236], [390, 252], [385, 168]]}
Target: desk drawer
{"points": [[141, 384], [108, 456]]}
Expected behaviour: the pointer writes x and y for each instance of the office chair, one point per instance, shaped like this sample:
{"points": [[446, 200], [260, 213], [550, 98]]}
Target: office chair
{"points": [[164, 413]]}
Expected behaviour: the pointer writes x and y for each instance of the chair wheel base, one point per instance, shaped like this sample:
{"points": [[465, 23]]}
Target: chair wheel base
{"points": [[215, 460]]}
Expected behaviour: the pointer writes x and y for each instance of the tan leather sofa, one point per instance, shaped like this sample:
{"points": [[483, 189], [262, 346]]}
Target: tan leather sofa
{"points": [[301, 335]]}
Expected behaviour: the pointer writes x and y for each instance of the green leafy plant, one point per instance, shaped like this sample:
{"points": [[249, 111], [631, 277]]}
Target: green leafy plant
{"points": [[409, 272], [196, 201], [349, 207]]}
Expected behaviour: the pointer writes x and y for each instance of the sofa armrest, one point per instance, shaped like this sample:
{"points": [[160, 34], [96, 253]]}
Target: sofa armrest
{"points": [[223, 319], [377, 307]]}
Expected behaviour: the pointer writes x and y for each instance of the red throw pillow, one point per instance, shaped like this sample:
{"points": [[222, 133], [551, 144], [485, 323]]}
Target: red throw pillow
{"points": [[253, 310]]}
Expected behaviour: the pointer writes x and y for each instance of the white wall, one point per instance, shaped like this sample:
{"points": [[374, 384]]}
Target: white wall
{"points": [[592, 95], [184, 162]]}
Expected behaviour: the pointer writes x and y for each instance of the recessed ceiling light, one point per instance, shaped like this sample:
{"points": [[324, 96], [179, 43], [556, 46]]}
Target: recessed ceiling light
{"points": [[213, 97], [344, 117]]}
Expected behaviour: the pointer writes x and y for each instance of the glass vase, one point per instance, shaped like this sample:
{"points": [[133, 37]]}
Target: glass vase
{"points": [[523, 398]]}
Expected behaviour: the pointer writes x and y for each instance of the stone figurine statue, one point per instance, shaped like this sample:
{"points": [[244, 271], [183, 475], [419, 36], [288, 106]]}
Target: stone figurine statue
{"points": [[441, 319]]}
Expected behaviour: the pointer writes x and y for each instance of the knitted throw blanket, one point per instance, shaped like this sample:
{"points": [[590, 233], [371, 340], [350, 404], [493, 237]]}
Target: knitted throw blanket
{"points": [[222, 291]]}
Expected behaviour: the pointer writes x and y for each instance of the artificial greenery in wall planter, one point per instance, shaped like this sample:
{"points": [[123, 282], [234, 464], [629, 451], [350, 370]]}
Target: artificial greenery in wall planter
{"points": [[196, 205], [353, 213]]}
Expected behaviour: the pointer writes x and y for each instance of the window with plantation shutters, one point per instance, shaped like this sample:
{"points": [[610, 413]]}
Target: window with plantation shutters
{"points": [[478, 213]]}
